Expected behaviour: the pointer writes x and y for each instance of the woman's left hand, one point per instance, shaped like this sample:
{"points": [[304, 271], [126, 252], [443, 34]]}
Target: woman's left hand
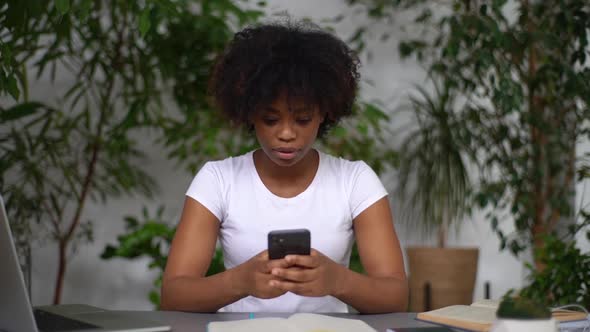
{"points": [[310, 275]]}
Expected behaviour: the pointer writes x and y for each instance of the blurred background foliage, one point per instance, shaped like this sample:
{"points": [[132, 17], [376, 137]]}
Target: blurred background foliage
{"points": [[150, 236], [136, 75], [520, 71], [434, 183]]}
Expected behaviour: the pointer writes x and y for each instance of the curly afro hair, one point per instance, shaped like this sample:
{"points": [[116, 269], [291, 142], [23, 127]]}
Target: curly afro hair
{"points": [[298, 58]]}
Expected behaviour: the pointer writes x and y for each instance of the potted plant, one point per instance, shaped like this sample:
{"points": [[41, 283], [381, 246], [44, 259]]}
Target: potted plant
{"points": [[433, 188], [522, 70], [517, 314]]}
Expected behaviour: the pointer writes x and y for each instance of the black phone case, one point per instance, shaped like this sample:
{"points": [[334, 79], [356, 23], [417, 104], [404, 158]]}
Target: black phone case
{"points": [[288, 241]]}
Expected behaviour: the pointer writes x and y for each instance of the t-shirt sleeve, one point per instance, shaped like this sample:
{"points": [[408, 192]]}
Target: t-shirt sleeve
{"points": [[366, 188], [207, 188]]}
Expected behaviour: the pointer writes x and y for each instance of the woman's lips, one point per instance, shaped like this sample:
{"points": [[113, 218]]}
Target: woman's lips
{"points": [[286, 154]]}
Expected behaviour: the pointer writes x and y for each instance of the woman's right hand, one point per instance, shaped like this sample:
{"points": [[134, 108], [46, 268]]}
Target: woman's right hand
{"points": [[254, 276]]}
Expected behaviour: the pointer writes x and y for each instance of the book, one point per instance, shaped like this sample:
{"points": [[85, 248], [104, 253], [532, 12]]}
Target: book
{"points": [[480, 315], [300, 322]]}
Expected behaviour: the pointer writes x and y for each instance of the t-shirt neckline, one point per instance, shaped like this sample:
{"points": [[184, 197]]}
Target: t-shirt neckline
{"points": [[301, 195]]}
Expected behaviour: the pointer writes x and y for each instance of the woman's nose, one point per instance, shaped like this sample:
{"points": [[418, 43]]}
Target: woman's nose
{"points": [[287, 132]]}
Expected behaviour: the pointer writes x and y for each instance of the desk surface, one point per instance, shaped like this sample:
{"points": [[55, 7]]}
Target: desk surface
{"points": [[193, 322]]}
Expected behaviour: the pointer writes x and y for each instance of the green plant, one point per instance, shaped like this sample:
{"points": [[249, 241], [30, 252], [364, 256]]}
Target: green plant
{"points": [[355, 260], [123, 58], [151, 237], [434, 180], [523, 74], [364, 136], [565, 276], [522, 308]]}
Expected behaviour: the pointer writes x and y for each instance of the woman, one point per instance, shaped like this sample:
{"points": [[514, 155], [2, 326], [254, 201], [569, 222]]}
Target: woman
{"points": [[289, 83]]}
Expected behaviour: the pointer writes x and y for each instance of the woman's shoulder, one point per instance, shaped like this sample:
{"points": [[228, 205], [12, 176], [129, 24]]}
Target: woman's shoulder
{"points": [[223, 173], [230, 164], [340, 164]]}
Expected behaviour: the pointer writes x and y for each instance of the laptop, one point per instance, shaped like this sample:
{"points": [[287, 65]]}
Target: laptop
{"points": [[17, 314]]}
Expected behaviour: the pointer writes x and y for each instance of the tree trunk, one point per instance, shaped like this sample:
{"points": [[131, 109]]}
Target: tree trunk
{"points": [[61, 270]]}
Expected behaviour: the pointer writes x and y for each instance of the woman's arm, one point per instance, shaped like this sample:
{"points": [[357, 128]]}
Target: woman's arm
{"points": [[184, 285], [383, 289]]}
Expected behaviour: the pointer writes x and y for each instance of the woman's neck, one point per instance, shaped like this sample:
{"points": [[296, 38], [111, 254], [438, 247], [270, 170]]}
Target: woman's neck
{"points": [[304, 170]]}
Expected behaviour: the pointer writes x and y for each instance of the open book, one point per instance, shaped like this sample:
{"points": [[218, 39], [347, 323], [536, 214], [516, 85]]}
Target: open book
{"points": [[300, 322], [480, 315]]}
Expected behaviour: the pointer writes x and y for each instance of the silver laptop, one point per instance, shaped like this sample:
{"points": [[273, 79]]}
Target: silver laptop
{"points": [[17, 315]]}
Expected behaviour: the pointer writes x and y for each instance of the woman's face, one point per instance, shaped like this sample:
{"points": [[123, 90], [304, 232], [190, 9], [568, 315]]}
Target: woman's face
{"points": [[286, 131]]}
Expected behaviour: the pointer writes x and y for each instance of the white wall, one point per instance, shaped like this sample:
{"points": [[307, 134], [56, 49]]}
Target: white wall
{"points": [[121, 284]]}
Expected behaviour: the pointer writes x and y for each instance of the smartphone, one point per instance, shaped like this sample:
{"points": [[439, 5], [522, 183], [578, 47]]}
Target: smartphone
{"points": [[283, 242]]}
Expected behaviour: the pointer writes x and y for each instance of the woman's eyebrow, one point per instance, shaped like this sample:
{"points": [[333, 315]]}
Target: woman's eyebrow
{"points": [[270, 109]]}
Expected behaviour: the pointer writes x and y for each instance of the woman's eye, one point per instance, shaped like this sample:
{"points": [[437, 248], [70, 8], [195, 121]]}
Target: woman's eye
{"points": [[303, 120], [270, 121]]}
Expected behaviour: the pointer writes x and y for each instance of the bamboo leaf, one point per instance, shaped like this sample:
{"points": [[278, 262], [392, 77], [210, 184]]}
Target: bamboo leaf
{"points": [[84, 9], [63, 6], [20, 111], [144, 21], [12, 87]]}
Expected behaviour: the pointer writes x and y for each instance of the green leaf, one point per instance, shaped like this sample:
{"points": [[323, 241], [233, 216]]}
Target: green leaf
{"points": [[522, 308], [483, 9], [144, 22], [108, 252], [362, 128], [424, 16], [338, 132], [374, 114], [154, 297], [63, 6], [20, 111], [84, 9], [12, 87]]}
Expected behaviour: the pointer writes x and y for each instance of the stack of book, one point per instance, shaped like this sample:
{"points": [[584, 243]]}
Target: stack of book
{"points": [[480, 315]]}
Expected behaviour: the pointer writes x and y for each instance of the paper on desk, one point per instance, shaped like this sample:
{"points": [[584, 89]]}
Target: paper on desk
{"points": [[575, 326]]}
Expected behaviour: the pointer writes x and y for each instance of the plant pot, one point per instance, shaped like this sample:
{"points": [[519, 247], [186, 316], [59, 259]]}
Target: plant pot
{"points": [[524, 325], [449, 272]]}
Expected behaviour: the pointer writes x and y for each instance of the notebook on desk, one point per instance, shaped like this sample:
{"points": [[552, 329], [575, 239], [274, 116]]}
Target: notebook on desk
{"points": [[480, 315], [17, 314]]}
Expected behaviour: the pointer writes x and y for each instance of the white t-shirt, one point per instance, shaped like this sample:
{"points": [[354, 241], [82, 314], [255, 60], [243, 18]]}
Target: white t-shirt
{"points": [[233, 191]]}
